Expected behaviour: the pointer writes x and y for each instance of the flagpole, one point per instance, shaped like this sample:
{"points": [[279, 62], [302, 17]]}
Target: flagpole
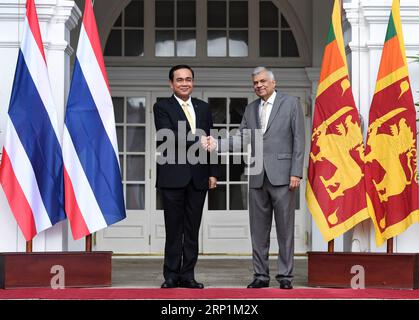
{"points": [[331, 246], [390, 245], [28, 243], [29, 246], [89, 243]]}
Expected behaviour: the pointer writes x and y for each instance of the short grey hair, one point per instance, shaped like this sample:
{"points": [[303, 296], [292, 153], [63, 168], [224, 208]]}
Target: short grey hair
{"points": [[258, 70]]}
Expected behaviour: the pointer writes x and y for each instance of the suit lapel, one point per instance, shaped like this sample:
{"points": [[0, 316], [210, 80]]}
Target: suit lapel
{"points": [[256, 112], [197, 113], [275, 109], [179, 110]]}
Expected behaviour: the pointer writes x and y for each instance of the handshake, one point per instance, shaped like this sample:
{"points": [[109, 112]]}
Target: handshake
{"points": [[209, 143]]}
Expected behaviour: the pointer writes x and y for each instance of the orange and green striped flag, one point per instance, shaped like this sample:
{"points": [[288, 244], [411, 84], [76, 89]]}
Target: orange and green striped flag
{"points": [[335, 191], [390, 155]]}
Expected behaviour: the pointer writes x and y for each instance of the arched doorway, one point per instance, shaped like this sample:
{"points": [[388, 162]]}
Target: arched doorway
{"points": [[223, 40]]}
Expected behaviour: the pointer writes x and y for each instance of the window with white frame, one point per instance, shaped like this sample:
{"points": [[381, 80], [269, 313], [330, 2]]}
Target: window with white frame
{"points": [[232, 185], [175, 28], [221, 29], [130, 120], [228, 25], [275, 35], [126, 38]]}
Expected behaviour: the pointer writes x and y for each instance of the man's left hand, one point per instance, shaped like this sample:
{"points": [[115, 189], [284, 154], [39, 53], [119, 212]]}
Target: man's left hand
{"points": [[294, 183], [212, 182]]}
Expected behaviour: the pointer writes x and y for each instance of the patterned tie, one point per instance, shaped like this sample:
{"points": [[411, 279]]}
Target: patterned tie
{"points": [[188, 116], [263, 120]]}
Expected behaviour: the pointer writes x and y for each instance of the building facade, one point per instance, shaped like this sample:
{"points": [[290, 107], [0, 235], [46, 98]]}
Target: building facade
{"points": [[223, 40]]}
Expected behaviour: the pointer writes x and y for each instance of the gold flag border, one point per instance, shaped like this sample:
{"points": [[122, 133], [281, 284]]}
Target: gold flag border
{"points": [[320, 218], [393, 230]]}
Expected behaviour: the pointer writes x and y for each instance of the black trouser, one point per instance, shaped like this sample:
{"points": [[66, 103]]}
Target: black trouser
{"points": [[182, 218]]}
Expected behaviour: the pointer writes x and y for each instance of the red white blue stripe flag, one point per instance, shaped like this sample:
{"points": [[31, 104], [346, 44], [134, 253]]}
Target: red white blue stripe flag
{"points": [[92, 178], [31, 171]]}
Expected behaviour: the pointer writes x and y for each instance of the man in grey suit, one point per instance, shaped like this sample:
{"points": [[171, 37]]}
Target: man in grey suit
{"points": [[279, 119]]}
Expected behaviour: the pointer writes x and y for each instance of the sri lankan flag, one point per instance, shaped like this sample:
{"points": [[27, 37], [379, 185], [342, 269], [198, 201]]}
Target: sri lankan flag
{"points": [[335, 193], [390, 154]]}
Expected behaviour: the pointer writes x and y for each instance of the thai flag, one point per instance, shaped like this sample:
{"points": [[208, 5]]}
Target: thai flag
{"points": [[92, 178], [31, 171]]}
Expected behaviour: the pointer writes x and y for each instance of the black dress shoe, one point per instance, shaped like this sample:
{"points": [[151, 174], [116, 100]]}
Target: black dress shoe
{"points": [[285, 284], [191, 284], [169, 283], [258, 283]]}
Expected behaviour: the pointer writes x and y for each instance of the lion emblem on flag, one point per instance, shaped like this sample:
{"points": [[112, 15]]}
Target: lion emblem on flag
{"points": [[400, 141], [337, 148]]}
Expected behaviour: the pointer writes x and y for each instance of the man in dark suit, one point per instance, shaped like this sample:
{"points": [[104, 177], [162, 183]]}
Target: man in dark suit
{"points": [[279, 121], [183, 181]]}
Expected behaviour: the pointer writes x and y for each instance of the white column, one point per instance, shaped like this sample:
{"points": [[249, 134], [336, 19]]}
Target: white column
{"points": [[56, 19], [368, 21]]}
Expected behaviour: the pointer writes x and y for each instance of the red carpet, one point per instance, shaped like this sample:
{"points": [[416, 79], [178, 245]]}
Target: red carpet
{"points": [[210, 293]]}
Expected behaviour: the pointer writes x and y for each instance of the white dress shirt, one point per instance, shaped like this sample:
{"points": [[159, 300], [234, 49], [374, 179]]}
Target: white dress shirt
{"points": [[190, 107], [269, 107]]}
